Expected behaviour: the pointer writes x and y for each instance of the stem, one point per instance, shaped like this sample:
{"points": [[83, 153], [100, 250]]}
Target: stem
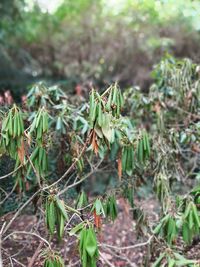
{"points": [[107, 90]]}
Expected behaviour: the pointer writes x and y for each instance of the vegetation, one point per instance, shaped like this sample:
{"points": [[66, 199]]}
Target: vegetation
{"points": [[94, 41], [86, 145], [157, 133]]}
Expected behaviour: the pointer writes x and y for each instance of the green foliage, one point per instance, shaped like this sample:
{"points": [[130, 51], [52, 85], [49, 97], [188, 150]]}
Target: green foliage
{"points": [[98, 207], [110, 208], [11, 14], [12, 131], [110, 129], [88, 248], [83, 39], [52, 259], [56, 215], [82, 200], [167, 228], [171, 258]]}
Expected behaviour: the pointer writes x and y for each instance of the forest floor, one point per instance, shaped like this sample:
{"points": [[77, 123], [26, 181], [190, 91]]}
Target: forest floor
{"points": [[119, 245]]}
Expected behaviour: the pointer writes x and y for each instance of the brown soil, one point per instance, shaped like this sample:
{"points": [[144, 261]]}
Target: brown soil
{"points": [[19, 248]]}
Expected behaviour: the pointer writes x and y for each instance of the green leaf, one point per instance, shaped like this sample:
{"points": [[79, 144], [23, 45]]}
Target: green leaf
{"points": [[76, 229], [61, 226], [91, 242], [61, 206], [186, 233], [59, 124], [158, 261], [83, 235], [195, 214], [107, 130], [171, 263], [82, 200], [98, 207], [52, 217]]}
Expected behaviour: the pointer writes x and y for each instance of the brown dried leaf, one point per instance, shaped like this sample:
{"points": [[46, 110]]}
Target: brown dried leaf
{"points": [[97, 220], [94, 143], [156, 107], [119, 162], [21, 152]]}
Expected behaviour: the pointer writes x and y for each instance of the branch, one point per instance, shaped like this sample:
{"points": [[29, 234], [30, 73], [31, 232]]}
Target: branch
{"points": [[19, 210], [80, 181], [35, 255], [34, 169], [4, 176], [117, 255], [72, 165], [9, 194], [103, 259], [128, 247], [28, 233], [1, 261]]}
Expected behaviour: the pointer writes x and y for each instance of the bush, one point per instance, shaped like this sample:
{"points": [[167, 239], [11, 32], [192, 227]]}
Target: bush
{"points": [[141, 146]]}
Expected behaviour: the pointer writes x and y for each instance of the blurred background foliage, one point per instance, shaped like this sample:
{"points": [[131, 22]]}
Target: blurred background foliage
{"points": [[92, 41]]}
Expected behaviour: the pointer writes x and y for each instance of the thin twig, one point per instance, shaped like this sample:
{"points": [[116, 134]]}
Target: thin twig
{"points": [[128, 247], [10, 259], [121, 257], [35, 255], [34, 169], [49, 186], [105, 260], [9, 174], [9, 194], [74, 264], [19, 210], [80, 181], [72, 165], [28, 233], [21, 264], [1, 261]]}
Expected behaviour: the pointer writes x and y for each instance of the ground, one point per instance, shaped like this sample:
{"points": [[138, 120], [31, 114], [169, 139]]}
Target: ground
{"points": [[121, 234]]}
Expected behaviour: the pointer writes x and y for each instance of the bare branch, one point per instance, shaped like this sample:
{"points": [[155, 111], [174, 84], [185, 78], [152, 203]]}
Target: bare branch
{"points": [[128, 247]]}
